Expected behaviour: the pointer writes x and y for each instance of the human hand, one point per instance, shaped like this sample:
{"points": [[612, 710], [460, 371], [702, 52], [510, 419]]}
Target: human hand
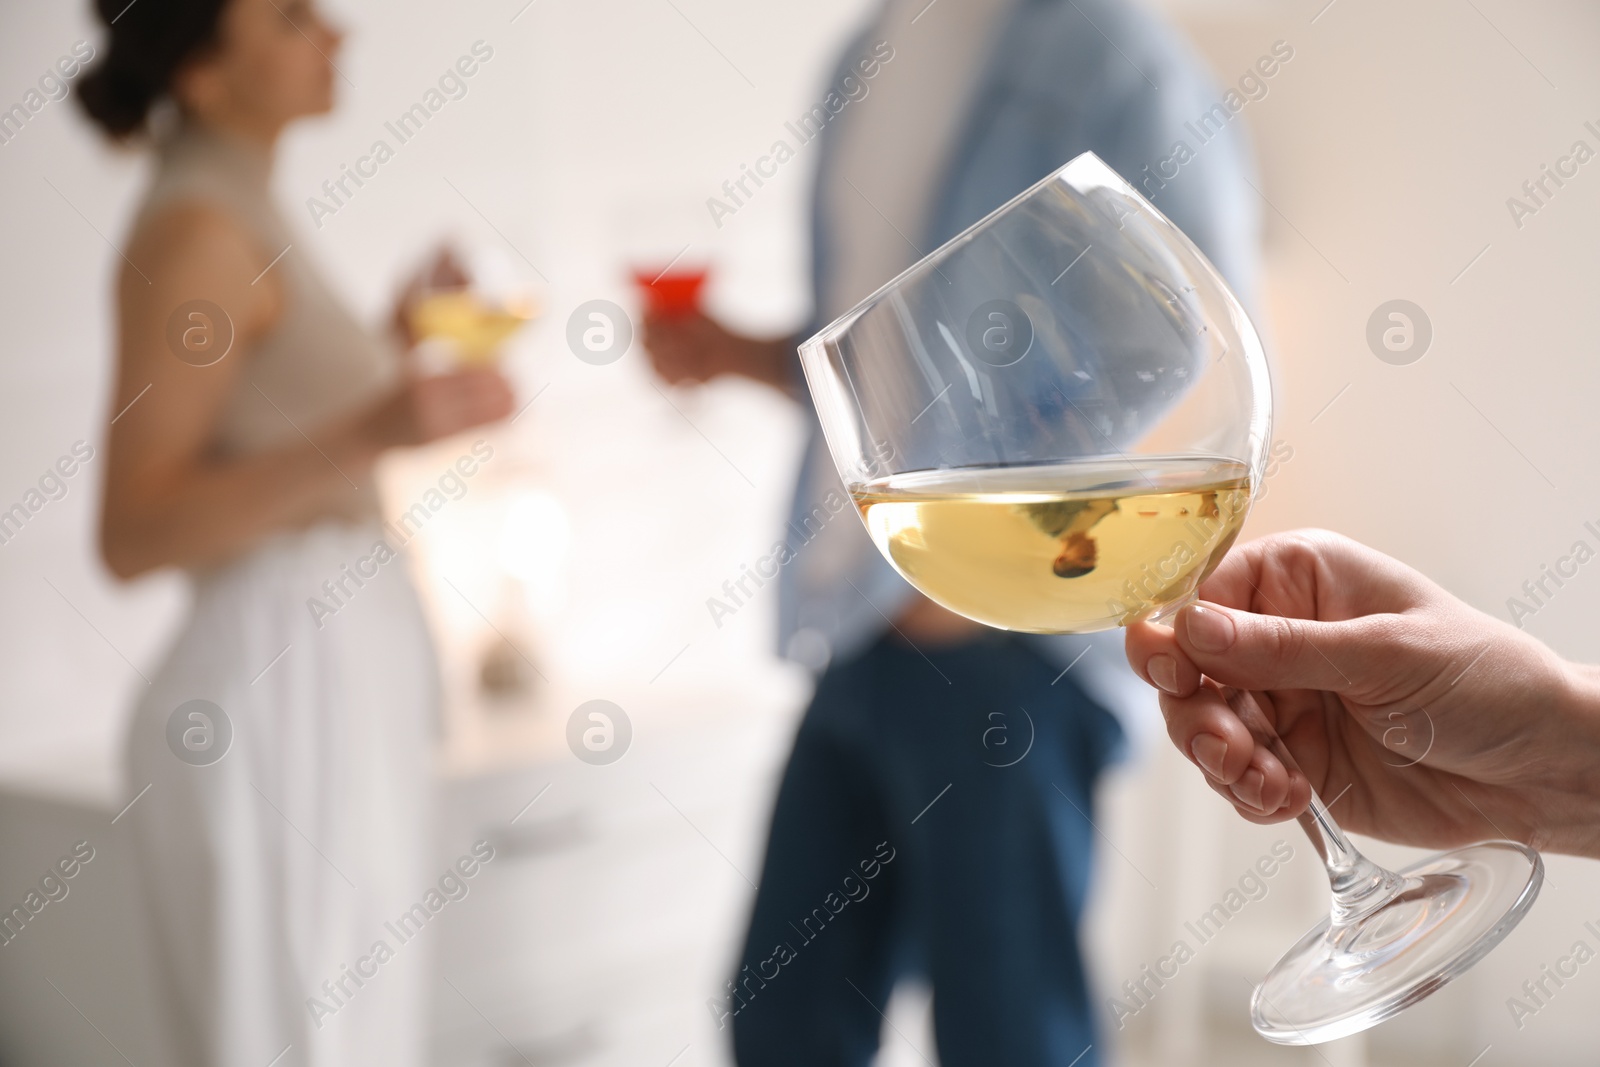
{"points": [[694, 348], [424, 409], [1426, 721]]}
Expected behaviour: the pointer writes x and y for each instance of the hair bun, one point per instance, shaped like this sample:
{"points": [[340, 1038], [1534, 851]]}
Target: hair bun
{"points": [[148, 43], [116, 99]]}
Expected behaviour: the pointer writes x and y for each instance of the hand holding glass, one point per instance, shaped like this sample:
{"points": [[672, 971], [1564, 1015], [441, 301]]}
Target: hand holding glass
{"points": [[1056, 423]]}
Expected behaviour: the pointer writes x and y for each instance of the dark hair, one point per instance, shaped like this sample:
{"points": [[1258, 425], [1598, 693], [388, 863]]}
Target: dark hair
{"points": [[150, 40]]}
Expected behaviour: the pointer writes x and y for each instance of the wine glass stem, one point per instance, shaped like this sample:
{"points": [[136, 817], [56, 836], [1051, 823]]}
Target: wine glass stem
{"points": [[1359, 886]]}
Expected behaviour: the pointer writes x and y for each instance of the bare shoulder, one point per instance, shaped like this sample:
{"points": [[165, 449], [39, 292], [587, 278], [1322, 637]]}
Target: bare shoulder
{"points": [[193, 249]]}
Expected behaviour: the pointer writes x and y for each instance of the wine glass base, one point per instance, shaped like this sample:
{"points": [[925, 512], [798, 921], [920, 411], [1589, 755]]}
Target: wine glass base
{"points": [[1341, 980]]}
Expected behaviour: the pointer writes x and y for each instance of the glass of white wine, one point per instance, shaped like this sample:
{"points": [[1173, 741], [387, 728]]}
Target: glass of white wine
{"points": [[1056, 423], [468, 305]]}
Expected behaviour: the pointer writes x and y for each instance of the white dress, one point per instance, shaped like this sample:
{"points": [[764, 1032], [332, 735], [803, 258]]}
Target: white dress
{"points": [[268, 874]]}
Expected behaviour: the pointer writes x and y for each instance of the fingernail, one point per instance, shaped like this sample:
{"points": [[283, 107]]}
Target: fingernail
{"points": [[1248, 788], [1209, 751], [1164, 672], [1209, 630]]}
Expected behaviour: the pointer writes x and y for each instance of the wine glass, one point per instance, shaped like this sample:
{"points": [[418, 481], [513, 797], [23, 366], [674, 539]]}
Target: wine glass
{"points": [[467, 305], [667, 242], [1056, 423], [674, 290]]}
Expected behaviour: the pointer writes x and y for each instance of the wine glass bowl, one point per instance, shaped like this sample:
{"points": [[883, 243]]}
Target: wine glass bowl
{"points": [[668, 246], [671, 291], [1056, 423], [473, 325], [470, 302]]}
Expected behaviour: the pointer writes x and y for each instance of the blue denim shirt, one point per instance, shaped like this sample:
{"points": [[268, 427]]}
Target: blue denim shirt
{"points": [[1055, 86]]}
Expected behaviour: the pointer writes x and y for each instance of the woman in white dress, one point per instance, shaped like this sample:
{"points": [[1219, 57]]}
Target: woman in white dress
{"points": [[286, 820]]}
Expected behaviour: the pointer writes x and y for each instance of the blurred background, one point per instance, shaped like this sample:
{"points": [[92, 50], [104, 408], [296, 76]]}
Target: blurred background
{"points": [[614, 507]]}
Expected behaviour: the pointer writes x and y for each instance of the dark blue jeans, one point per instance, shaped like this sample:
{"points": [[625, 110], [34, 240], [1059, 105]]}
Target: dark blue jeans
{"points": [[934, 819]]}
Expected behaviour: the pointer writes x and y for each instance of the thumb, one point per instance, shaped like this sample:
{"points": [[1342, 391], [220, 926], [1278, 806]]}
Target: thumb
{"points": [[1256, 652]]}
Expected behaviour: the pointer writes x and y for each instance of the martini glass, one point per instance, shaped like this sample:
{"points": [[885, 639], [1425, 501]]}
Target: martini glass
{"points": [[672, 291], [1056, 423], [468, 305], [667, 241]]}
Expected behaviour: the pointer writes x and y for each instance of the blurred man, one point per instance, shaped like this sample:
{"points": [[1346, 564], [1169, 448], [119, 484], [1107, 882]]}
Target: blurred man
{"points": [[935, 815]]}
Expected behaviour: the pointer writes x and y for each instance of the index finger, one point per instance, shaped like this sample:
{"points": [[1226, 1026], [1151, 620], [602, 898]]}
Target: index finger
{"points": [[1317, 575]]}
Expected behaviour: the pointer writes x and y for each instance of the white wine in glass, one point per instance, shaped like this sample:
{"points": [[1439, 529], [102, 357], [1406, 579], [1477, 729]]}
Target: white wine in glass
{"points": [[471, 300], [1056, 423], [472, 325], [1064, 547]]}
